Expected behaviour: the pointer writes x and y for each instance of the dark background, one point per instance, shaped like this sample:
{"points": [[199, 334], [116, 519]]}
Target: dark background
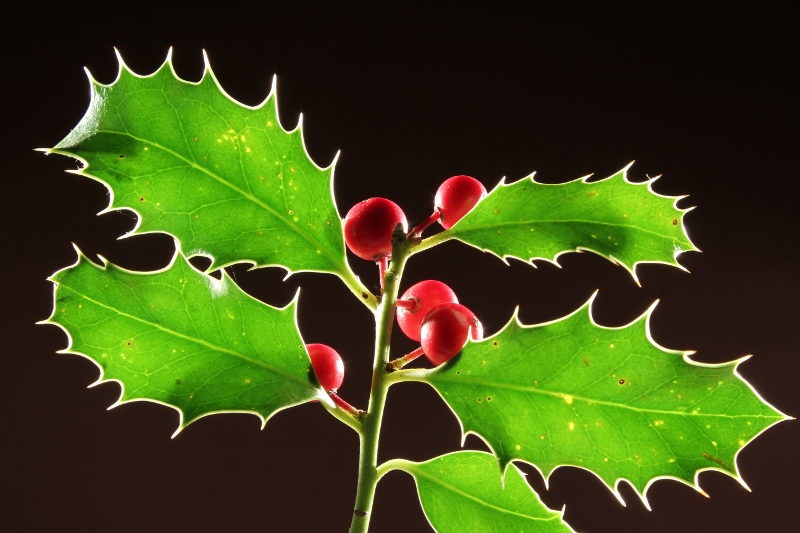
{"points": [[707, 99]]}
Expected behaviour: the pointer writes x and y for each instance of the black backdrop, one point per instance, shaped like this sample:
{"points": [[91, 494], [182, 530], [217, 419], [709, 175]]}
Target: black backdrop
{"points": [[707, 99]]}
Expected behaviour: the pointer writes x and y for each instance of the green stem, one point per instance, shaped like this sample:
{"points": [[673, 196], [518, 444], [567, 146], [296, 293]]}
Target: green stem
{"points": [[432, 241], [344, 417], [371, 425], [358, 288], [392, 464]]}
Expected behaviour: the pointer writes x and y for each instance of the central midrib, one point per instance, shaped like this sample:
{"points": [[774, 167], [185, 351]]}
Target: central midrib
{"points": [[190, 339], [476, 499], [562, 395], [493, 225], [220, 179]]}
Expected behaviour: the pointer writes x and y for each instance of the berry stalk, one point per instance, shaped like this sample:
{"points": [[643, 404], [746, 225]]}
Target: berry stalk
{"points": [[399, 363], [425, 224], [371, 425]]}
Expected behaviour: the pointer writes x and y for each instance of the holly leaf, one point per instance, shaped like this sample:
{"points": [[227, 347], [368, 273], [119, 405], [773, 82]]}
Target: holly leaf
{"points": [[225, 179], [571, 392], [185, 339], [463, 491], [623, 221]]}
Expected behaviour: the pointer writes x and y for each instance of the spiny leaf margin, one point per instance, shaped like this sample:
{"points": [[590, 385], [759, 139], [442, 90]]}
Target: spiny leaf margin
{"points": [[681, 243], [513, 481], [428, 376], [318, 393], [327, 244]]}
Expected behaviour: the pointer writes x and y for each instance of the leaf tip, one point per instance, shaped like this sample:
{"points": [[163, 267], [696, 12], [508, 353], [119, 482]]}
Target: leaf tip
{"points": [[178, 430], [743, 483], [79, 254], [273, 86], [92, 81], [652, 307]]}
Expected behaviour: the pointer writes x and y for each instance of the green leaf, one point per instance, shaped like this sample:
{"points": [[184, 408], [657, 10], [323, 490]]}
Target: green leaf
{"points": [[223, 178], [622, 221], [610, 400], [185, 339], [463, 491]]}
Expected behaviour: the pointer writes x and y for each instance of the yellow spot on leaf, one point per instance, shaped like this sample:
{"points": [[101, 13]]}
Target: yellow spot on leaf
{"points": [[568, 399], [572, 426]]}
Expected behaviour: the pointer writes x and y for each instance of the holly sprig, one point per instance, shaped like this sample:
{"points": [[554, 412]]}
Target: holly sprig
{"points": [[229, 183]]}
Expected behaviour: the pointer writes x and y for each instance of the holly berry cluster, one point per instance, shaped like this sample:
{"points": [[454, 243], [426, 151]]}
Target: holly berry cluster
{"points": [[427, 312]]}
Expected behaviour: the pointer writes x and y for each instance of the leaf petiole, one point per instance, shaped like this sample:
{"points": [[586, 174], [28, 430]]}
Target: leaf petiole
{"points": [[345, 417], [358, 414]]}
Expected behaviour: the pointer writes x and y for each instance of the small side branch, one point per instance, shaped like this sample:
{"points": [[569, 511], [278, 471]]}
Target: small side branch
{"points": [[345, 417], [400, 362]]}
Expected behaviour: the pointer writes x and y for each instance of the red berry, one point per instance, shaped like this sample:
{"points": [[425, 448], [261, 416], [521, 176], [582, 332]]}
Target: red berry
{"points": [[445, 330], [455, 197], [368, 227], [425, 295], [328, 366]]}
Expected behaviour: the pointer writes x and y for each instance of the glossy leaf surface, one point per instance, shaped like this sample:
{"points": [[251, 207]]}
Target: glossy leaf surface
{"points": [[184, 338], [615, 218], [223, 178], [610, 400], [463, 491]]}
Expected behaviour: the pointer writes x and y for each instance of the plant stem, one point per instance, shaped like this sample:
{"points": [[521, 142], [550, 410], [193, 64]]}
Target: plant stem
{"points": [[371, 425], [432, 241], [397, 364], [345, 417], [358, 288]]}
